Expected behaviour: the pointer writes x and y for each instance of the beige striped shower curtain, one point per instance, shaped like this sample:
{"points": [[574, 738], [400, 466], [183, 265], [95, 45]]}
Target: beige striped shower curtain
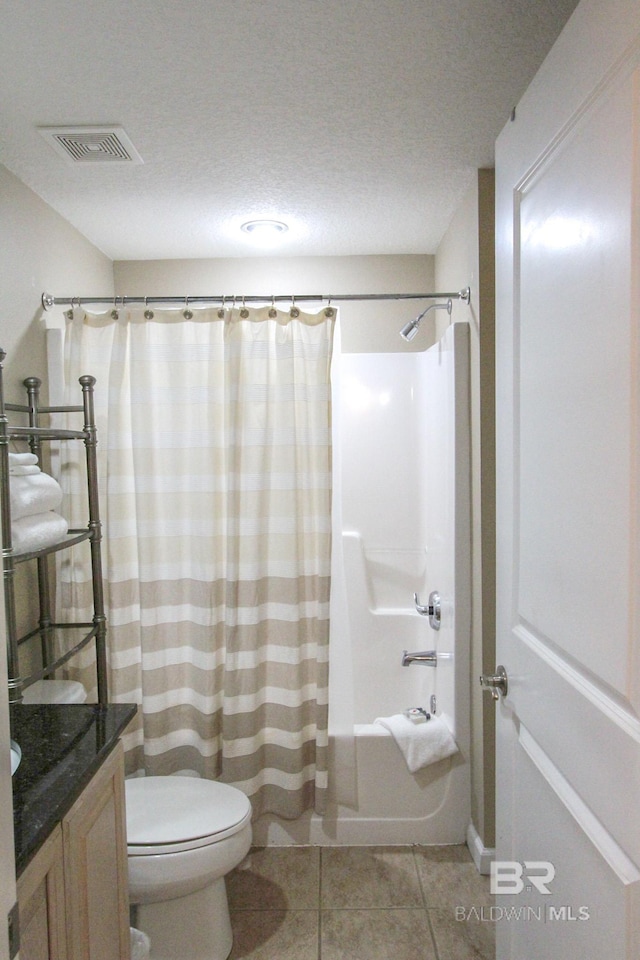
{"points": [[214, 442]]}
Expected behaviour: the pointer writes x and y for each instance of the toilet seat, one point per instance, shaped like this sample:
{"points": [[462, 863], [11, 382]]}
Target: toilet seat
{"points": [[174, 814]]}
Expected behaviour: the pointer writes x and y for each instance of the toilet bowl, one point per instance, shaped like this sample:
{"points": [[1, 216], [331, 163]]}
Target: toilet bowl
{"points": [[183, 836]]}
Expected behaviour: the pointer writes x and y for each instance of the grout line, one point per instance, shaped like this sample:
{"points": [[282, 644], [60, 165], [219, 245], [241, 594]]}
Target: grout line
{"points": [[436, 952], [407, 908], [320, 865], [434, 942], [278, 910], [415, 863]]}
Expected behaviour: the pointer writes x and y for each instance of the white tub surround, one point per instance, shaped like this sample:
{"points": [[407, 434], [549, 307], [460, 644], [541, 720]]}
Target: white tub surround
{"points": [[404, 450]]}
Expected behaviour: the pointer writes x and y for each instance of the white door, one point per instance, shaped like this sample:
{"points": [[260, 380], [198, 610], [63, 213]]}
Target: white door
{"points": [[567, 876]]}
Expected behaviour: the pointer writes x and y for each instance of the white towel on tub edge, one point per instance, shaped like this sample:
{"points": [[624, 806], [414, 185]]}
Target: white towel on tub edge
{"points": [[420, 743]]}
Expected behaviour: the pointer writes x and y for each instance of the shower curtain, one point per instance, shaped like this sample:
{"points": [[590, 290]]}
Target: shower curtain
{"points": [[214, 445]]}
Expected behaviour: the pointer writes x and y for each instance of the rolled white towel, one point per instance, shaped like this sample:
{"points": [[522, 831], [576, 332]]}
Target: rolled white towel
{"points": [[23, 464], [26, 471], [21, 459], [37, 531], [33, 494], [420, 743]]}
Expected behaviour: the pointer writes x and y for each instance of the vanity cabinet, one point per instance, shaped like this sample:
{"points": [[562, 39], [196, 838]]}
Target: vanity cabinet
{"points": [[73, 895], [43, 933], [95, 867]]}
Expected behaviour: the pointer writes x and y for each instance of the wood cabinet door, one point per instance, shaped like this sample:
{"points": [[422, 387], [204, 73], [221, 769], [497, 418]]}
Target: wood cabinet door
{"points": [[42, 906], [95, 860]]}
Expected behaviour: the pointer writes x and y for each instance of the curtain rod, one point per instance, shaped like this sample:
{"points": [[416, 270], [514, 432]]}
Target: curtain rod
{"points": [[49, 301]]}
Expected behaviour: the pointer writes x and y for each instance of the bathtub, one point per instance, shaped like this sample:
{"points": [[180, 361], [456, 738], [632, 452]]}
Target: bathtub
{"points": [[393, 805], [404, 528]]}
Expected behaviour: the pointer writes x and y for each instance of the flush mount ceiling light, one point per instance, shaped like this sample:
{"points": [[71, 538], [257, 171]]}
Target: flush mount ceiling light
{"points": [[264, 231]]}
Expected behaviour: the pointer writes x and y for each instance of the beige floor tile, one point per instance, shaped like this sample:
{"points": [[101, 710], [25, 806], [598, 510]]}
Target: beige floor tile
{"points": [[375, 935], [450, 879], [361, 877], [463, 938], [274, 935], [276, 878]]}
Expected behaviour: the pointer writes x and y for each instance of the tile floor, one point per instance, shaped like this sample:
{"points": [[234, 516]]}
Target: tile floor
{"points": [[359, 903]]}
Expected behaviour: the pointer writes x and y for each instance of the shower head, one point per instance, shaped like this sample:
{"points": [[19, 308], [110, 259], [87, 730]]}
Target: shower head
{"points": [[410, 329]]}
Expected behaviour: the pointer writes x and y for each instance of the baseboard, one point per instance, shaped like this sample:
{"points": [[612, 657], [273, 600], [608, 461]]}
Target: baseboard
{"points": [[482, 856]]}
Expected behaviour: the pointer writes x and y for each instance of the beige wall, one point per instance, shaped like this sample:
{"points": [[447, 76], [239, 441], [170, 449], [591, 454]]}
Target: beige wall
{"points": [[40, 252], [369, 327], [466, 256]]}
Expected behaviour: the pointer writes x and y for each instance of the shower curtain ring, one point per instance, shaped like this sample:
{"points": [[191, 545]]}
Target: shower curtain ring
{"points": [[187, 314], [148, 314], [329, 311], [114, 312], [294, 312], [244, 313], [273, 313], [221, 309]]}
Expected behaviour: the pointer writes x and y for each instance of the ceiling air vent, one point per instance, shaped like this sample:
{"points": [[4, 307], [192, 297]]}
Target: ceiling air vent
{"points": [[91, 144]]}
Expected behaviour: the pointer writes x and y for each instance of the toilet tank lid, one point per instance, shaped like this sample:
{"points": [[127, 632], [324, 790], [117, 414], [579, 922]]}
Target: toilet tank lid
{"points": [[55, 691], [165, 810]]}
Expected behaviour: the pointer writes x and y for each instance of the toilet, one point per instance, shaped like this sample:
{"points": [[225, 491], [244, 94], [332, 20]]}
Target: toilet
{"points": [[55, 691], [183, 836]]}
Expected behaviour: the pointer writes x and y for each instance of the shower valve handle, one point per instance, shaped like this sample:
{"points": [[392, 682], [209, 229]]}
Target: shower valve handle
{"points": [[432, 610]]}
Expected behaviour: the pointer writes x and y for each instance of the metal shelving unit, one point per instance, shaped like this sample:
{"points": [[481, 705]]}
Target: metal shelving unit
{"points": [[69, 637]]}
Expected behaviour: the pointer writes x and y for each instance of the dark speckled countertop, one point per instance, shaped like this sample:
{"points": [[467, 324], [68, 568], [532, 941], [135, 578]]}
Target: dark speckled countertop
{"points": [[62, 745]]}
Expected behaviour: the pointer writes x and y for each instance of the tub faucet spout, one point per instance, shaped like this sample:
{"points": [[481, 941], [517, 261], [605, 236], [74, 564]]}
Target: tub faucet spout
{"points": [[430, 657]]}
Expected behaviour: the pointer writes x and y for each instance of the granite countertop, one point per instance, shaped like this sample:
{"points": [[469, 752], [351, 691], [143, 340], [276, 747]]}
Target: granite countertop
{"points": [[62, 745]]}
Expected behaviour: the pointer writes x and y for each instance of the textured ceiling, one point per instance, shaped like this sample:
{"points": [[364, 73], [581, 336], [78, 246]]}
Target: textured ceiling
{"points": [[360, 122]]}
